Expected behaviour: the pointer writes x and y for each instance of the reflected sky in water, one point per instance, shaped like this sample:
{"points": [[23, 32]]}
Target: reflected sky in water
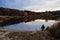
{"points": [[30, 26]]}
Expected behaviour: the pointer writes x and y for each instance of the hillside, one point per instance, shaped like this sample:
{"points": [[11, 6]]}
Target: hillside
{"points": [[13, 12]]}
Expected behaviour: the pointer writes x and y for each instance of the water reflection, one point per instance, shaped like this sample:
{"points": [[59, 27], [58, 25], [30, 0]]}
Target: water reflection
{"points": [[31, 26]]}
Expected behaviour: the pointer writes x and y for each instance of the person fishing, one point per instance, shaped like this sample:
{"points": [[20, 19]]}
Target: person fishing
{"points": [[42, 27]]}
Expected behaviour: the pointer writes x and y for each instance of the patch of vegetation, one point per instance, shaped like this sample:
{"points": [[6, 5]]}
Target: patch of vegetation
{"points": [[54, 30]]}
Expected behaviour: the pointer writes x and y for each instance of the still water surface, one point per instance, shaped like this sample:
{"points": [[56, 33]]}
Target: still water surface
{"points": [[31, 26]]}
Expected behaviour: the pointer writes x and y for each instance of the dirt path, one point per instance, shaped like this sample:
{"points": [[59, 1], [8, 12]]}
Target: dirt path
{"points": [[3, 37]]}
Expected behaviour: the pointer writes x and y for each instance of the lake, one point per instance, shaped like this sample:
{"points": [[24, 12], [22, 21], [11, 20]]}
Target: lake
{"points": [[31, 26]]}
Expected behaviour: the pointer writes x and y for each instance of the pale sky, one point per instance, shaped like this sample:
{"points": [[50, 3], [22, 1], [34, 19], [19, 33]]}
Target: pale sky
{"points": [[32, 5]]}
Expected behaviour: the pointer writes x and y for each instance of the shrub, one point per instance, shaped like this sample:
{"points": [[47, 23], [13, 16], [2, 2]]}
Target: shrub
{"points": [[54, 30]]}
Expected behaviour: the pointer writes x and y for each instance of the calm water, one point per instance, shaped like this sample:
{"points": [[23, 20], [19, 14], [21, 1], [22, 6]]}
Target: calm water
{"points": [[31, 26]]}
